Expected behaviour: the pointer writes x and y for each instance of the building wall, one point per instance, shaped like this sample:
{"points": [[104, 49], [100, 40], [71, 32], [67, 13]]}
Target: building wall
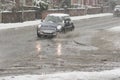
{"points": [[8, 17], [12, 17], [17, 3], [20, 3], [30, 15], [85, 2], [29, 2], [74, 2]]}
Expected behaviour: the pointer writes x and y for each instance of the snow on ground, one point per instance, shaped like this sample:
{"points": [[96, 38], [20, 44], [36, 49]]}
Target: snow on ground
{"points": [[17, 25], [36, 22], [90, 16], [115, 29], [104, 75]]}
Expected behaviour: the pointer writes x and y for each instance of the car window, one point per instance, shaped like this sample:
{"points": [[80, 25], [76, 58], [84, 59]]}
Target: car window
{"points": [[66, 17], [53, 19]]}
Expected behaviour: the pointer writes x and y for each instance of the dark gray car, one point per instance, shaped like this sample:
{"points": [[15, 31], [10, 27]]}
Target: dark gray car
{"points": [[55, 23], [117, 11]]}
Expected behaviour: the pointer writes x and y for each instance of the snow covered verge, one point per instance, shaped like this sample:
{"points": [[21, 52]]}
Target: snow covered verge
{"points": [[104, 75], [17, 25], [36, 22], [115, 29], [91, 16]]}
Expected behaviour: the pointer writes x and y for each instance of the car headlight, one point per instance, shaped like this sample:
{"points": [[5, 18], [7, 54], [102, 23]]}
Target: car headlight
{"points": [[39, 26], [59, 27]]}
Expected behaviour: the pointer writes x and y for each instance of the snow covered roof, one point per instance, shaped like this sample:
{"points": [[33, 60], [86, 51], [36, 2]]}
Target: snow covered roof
{"points": [[58, 14]]}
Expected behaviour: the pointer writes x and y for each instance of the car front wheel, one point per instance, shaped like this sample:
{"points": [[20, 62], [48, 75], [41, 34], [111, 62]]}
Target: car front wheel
{"points": [[38, 35], [73, 27]]}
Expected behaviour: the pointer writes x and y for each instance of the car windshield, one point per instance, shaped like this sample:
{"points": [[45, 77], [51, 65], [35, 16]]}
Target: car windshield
{"points": [[53, 19]]}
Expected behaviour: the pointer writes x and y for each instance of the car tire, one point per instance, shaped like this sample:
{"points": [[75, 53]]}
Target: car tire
{"points": [[116, 13], [38, 35], [73, 27], [63, 30]]}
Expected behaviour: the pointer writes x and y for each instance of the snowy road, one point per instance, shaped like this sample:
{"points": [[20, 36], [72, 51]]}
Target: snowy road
{"points": [[83, 54]]}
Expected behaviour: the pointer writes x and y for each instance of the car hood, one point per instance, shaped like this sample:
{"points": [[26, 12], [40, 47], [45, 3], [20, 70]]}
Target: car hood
{"points": [[48, 27], [51, 24]]}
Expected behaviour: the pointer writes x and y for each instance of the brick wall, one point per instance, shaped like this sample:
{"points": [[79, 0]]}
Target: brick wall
{"points": [[77, 12], [106, 9], [17, 3], [29, 2], [29, 15], [10, 17], [94, 10]]}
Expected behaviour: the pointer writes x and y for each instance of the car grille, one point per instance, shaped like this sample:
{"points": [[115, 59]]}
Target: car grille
{"points": [[48, 28]]}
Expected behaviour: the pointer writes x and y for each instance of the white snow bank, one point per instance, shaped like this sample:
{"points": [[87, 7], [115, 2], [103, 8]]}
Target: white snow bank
{"points": [[17, 25], [115, 29], [104, 75], [91, 16], [36, 22]]}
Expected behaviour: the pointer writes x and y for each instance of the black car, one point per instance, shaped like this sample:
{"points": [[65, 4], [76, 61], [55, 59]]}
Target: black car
{"points": [[53, 24], [117, 11]]}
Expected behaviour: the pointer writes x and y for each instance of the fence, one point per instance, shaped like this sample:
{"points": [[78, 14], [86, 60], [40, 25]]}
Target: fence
{"points": [[10, 17]]}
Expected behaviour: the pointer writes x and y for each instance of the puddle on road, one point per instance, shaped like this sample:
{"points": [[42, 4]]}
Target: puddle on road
{"points": [[38, 47], [106, 40], [71, 35], [65, 44], [48, 47], [59, 49]]}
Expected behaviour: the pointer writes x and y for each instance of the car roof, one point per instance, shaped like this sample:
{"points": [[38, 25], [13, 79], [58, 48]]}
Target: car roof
{"points": [[117, 6], [58, 14]]}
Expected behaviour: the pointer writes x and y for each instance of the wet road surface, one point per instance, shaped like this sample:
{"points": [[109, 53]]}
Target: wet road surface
{"points": [[88, 48]]}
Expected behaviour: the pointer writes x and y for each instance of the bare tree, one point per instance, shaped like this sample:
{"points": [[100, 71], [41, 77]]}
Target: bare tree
{"points": [[41, 5], [6, 5]]}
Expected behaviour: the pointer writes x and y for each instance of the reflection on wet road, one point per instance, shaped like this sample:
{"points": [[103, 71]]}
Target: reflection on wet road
{"points": [[38, 48], [57, 47]]}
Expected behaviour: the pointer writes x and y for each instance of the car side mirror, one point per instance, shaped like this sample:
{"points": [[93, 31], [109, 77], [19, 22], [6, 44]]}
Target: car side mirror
{"points": [[67, 20]]}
